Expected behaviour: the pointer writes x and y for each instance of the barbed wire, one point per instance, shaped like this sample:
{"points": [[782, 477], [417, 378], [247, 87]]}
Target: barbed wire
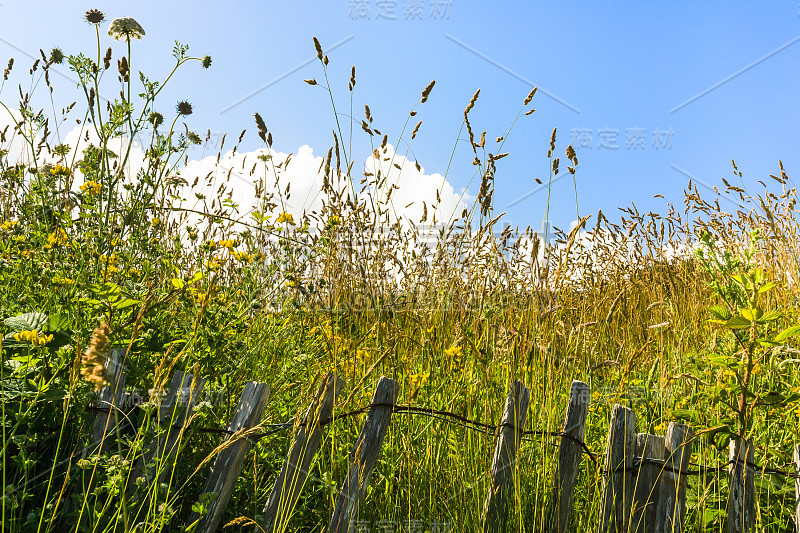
{"points": [[491, 429]]}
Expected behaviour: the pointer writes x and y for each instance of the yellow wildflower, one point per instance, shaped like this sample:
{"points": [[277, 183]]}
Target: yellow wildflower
{"points": [[33, 337], [8, 225], [91, 187], [60, 170], [286, 217], [57, 238], [418, 380], [291, 283], [333, 220], [453, 351]]}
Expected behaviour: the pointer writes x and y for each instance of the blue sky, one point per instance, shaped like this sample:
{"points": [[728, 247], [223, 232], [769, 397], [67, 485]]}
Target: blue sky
{"points": [[608, 74]]}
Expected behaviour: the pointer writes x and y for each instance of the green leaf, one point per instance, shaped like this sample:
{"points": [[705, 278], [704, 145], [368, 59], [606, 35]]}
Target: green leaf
{"points": [[108, 291], [125, 303], [56, 323], [738, 322], [751, 315], [770, 316], [789, 332], [767, 286], [719, 312], [27, 322]]}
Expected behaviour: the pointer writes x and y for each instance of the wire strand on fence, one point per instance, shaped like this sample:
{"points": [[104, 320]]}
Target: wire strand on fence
{"points": [[490, 429]]}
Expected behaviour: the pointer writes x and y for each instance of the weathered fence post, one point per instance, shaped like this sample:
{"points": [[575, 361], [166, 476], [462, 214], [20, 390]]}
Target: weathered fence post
{"points": [[306, 442], [510, 432], [176, 407], [228, 463], [364, 456], [741, 486], [109, 398], [672, 500], [797, 484], [618, 491], [569, 458], [647, 482]]}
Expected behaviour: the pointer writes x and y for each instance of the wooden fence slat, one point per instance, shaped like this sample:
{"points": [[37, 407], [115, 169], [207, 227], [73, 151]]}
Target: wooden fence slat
{"points": [[672, 500], [175, 409], [797, 484], [741, 486], [618, 491], [306, 442], [510, 432], [569, 458], [364, 456], [647, 481], [228, 463], [109, 398]]}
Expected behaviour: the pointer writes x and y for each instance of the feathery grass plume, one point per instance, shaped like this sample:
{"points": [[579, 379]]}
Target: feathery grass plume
{"points": [[107, 59], [469, 107], [352, 78], [416, 129], [367, 112], [93, 362], [125, 28], [124, 69], [529, 97], [7, 71], [426, 92], [318, 48], [262, 127]]}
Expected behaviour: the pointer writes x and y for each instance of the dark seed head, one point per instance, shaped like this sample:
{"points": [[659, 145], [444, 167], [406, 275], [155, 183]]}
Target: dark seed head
{"points": [[56, 56], [184, 108], [155, 118], [94, 16]]}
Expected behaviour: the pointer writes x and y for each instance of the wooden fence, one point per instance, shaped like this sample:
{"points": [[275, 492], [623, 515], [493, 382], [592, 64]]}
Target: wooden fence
{"points": [[645, 476]]}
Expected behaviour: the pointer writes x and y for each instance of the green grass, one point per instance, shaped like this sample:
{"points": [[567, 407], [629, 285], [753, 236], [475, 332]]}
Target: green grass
{"points": [[249, 295]]}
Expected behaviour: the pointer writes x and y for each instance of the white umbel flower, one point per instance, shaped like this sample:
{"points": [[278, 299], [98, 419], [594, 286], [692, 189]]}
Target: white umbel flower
{"points": [[125, 28]]}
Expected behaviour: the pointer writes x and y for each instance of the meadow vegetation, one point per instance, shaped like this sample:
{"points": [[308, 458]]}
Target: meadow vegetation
{"points": [[687, 315]]}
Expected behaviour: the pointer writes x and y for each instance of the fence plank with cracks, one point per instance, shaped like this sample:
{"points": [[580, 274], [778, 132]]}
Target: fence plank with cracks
{"points": [[305, 445], [570, 453], [671, 508], [510, 432], [647, 479], [364, 456], [618, 490], [741, 486], [108, 399], [228, 463]]}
